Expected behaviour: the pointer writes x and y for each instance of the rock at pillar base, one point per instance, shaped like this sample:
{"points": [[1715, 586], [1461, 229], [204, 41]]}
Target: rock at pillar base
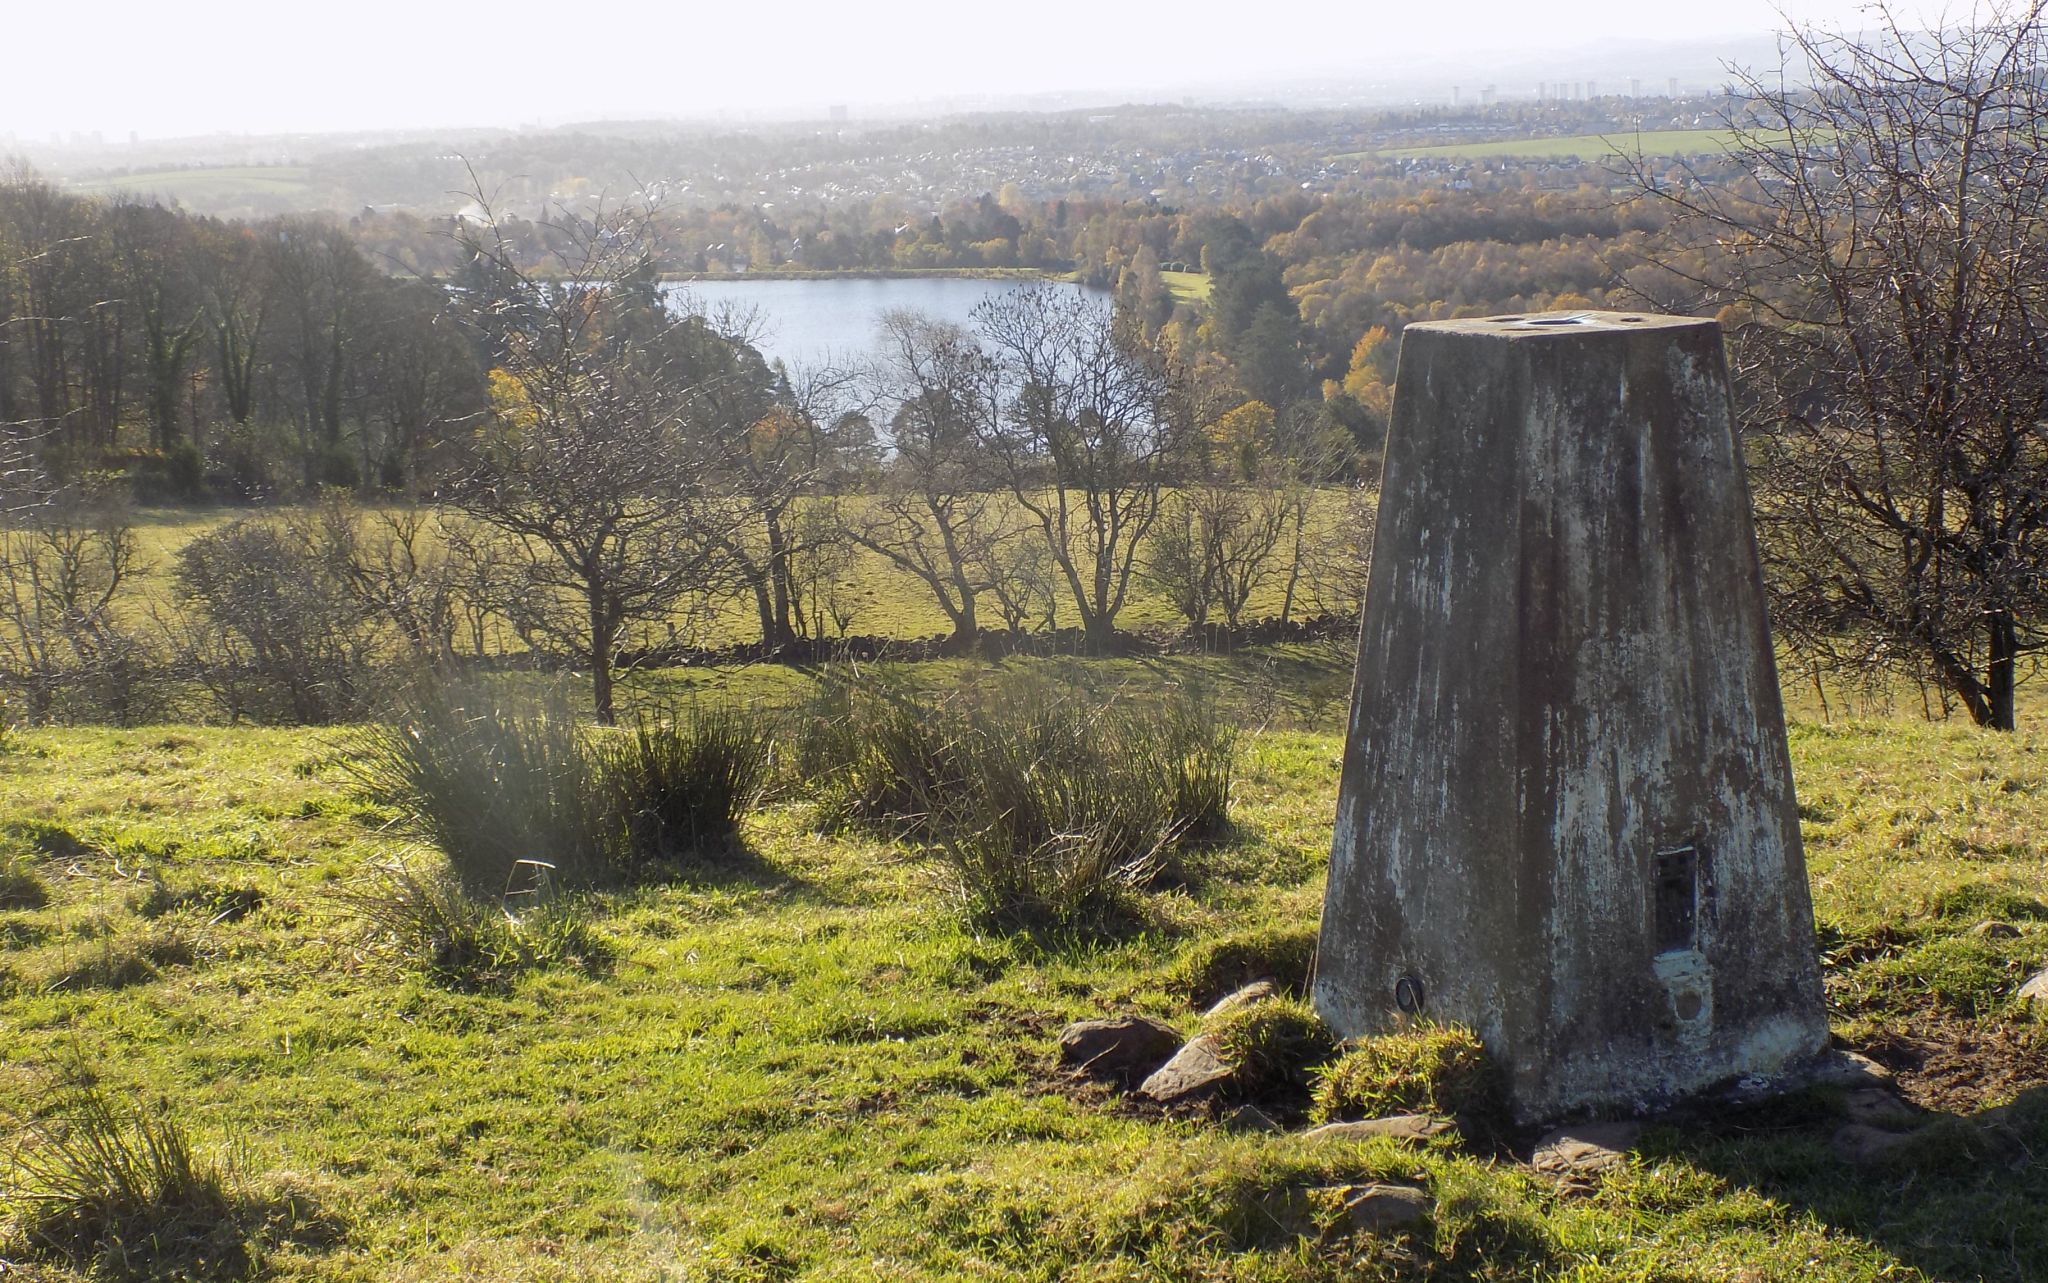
{"points": [[1566, 816]]}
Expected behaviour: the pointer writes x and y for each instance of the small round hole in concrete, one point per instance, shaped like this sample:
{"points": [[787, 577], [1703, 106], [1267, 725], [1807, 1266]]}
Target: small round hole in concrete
{"points": [[1687, 1005], [1408, 995], [1632, 320]]}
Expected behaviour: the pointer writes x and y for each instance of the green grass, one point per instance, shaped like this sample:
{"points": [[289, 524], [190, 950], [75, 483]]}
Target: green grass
{"points": [[801, 1063], [882, 599], [1656, 142], [1187, 287]]}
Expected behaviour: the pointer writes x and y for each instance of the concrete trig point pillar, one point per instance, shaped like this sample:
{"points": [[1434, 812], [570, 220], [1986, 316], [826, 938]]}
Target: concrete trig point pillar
{"points": [[1566, 816]]}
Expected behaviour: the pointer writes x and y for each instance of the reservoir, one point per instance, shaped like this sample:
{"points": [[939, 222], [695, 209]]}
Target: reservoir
{"points": [[832, 319]]}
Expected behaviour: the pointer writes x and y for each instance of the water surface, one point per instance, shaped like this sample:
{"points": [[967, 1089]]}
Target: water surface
{"points": [[832, 319]]}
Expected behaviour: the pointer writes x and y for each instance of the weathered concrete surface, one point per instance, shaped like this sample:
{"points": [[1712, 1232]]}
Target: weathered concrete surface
{"points": [[1566, 816]]}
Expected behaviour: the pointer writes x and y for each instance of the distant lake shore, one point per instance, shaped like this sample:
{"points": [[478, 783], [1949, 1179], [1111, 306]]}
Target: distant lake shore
{"points": [[873, 274], [833, 318]]}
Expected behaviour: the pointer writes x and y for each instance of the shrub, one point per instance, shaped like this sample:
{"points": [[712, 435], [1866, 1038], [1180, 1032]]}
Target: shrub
{"points": [[496, 787], [66, 652], [682, 786], [121, 1192], [273, 632], [1039, 804], [1423, 1069], [1274, 1044], [469, 944]]}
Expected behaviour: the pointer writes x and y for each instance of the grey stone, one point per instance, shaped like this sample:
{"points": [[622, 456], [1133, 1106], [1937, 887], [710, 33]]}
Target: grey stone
{"points": [[1848, 1069], [1994, 931], [1860, 1143], [1376, 1208], [1196, 1072], [1119, 1047], [1244, 997], [1250, 1118], [1566, 816], [1397, 1126], [1878, 1107], [1585, 1148], [2034, 993]]}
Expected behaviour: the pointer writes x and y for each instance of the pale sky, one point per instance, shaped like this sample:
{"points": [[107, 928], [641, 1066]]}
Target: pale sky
{"points": [[167, 69]]}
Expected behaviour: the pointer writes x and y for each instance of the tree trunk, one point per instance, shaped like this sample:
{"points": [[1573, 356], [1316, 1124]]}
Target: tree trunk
{"points": [[1099, 631], [601, 661], [2002, 674], [1294, 564], [758, 581], [782, 633]]}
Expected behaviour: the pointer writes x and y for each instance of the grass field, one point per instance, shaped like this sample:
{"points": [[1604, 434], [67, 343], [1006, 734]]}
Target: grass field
{"points": [[883, 599], [203, 184], [1187, 287], [800, 1063], [1665, 142]]}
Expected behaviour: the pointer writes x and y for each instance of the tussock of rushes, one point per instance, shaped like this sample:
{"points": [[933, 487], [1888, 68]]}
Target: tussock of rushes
{"points": [[121, 1192], [492, 784], [463, 943], [682, 785], [1042, 806], [497, 786]]}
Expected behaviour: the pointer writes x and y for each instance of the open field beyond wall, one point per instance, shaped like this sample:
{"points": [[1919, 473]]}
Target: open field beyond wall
{"points": [[801, 1064], [883, 600]]}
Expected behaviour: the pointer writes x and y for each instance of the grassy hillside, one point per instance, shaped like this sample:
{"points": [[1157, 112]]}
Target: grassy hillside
{"points": [[801, 1063]]}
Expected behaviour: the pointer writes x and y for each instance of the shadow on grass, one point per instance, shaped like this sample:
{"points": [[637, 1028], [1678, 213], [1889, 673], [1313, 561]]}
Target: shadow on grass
{"points": [[231, 1242], [1953, 1196]]}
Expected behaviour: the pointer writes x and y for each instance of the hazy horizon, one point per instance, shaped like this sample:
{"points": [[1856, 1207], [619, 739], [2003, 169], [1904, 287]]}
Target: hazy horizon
{"points": [[236, 66]]}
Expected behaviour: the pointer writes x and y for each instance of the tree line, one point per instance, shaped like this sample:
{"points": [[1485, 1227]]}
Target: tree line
{"points": [[1873, 242], [631, 465]]}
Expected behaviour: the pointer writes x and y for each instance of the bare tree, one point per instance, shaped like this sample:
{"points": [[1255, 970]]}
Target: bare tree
{"points": [[590, 466], [768, 439], [268, 629], [1087, 439], [1882, 258], [64, 650], [934, 514]]}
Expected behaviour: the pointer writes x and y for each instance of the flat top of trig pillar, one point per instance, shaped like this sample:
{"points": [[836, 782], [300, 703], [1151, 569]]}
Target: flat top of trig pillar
{"points": [[1538, 324]]}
